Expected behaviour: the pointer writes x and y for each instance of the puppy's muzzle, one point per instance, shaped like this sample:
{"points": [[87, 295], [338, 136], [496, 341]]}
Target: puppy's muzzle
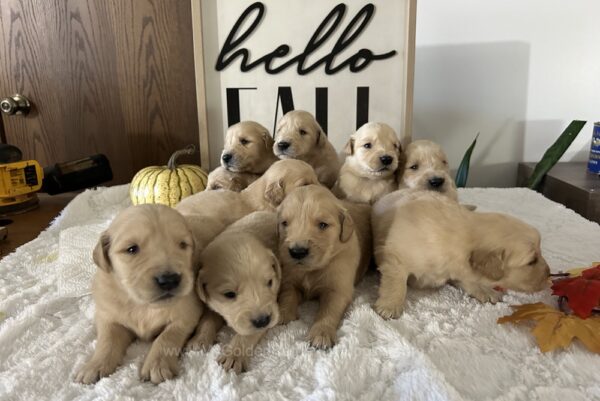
{"points": [[436, 182], [261, 321], [298, 253], [386, 160], [168, 281], [283, 145]]}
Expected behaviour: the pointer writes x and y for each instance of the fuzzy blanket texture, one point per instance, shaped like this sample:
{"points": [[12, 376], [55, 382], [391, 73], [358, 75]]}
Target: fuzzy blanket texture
{"points": [[446, 346]]}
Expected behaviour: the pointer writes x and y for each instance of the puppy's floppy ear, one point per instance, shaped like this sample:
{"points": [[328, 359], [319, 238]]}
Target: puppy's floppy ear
{"points": [[201, 286], [274, 193], [320, 133], [276, 266], [490, 263], [349, 148], [346, 225], [100, 254], [267, 139]]}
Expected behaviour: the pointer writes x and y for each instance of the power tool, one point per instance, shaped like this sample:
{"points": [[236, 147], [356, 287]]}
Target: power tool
{"points": [[20, 180]]}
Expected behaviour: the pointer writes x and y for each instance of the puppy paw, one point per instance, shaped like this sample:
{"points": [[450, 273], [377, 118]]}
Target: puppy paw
{"points": [[93, 371], [231, 360], [388, 311], [486, 294], [159, 369], [321, 337], [200, 342]]}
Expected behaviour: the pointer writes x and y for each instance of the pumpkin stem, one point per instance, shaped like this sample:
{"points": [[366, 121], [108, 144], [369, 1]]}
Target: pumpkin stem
{"points": [[188, 150]]}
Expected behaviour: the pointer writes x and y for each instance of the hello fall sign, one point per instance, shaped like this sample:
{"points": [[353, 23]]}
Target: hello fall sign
{"points": [[346, 63]]}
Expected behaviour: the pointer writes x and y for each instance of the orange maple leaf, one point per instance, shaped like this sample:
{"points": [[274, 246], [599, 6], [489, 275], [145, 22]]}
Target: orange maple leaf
{"points": [[554, 329]]}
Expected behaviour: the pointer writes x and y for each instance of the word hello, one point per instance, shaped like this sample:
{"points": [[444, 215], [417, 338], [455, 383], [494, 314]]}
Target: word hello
{"points": [[231, 49]]}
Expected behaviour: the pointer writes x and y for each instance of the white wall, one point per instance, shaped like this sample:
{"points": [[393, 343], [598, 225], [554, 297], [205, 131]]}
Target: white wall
{"points": [[518, 71]]}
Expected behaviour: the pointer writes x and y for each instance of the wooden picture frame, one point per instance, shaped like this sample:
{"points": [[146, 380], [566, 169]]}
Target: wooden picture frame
{"points": [[211, 136]]}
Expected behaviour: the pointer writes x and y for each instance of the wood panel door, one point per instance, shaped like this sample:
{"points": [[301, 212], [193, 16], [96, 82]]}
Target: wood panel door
{"points": [[103, 76]]}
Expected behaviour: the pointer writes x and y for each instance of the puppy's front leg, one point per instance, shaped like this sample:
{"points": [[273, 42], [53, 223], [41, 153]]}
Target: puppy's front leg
{"points": [[206, 332], [392, 291], [332, 306], [236, 355], [113, 340], [162, 362], [289, 299]]}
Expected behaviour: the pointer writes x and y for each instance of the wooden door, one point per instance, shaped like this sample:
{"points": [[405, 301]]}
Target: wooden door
{"points": [[103, 76]]}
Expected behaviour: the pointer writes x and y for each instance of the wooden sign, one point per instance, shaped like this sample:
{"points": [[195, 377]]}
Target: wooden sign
{"points": [[346, 63]]}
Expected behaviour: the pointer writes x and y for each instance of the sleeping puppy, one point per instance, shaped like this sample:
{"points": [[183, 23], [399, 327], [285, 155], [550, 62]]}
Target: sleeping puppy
{"points": [[324, 248], [221, 178], [247, 148], [369, 171], [239, 280], [432, 240], [143, 289], [299, 136], [208, 213], [426, 167]]}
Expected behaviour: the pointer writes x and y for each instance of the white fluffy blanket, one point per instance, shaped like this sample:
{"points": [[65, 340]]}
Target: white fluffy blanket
{"points": [[445, 346]]}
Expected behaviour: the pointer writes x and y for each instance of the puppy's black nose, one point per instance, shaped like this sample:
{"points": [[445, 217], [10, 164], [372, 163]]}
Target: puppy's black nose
{"points": [[168, 281], [226, 157], [386, 160], [436, 182], [298, 252], [261, 321], [283, 145]]}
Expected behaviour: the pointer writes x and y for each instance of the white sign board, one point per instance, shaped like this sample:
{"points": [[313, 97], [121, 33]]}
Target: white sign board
{"points": [[346, 63]]}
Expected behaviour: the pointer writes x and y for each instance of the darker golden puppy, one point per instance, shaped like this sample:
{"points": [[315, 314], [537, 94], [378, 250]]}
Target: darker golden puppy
{"points": [[239, 280], [299, 136], [143, 289], [324, 247]]}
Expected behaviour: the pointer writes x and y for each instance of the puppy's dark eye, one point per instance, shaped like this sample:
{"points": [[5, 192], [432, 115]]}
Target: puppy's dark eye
{"points": [[323, 225], [445, 162], [183, 245], [133, 249], [229, 294], [533, 262], [244, 141], [269, 283], [216, 186], [302, 132], [414, 167], [284, 223], [367, 145]]}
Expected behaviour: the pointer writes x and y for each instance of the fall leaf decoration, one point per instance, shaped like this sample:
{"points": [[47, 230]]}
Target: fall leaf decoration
{"points": [[582, 292], [554, 329]]}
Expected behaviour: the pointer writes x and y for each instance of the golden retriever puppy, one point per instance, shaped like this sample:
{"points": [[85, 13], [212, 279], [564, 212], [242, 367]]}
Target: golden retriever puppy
{"points": [[299, 136], [247, 148], [144, 288], [221, 178], [239, 280], [433, 240], [373, 155], [324, 248], [426, 167], [209, 212]]}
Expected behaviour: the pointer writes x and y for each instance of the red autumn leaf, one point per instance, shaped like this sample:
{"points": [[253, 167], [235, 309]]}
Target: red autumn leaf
{"points": [[582, 292]]}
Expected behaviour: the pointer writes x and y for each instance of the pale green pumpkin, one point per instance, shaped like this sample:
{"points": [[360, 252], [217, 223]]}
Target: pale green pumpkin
{"points": [[168, 184]]}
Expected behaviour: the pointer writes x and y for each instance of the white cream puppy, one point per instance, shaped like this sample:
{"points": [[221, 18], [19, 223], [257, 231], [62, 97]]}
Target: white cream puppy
{"points": [[373, 155]]}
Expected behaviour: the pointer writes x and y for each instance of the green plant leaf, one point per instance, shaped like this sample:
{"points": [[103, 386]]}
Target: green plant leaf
{"points": [[554, 153], [462, 174]]}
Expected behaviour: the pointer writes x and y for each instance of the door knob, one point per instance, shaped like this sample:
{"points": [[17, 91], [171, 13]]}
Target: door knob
{"points": [[15, 104]]}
